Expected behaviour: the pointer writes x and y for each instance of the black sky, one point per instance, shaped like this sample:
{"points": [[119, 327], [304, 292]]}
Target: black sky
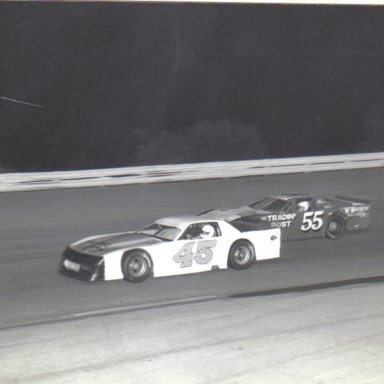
{"points": [[108, 70]]}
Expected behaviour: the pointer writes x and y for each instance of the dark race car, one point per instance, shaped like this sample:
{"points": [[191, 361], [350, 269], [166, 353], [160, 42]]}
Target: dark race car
{"points": [[302, 215]]}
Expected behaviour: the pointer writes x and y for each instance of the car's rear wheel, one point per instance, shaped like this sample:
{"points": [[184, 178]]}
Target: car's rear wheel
{"points": [[136, 266], [241, 255], [336, 227]]}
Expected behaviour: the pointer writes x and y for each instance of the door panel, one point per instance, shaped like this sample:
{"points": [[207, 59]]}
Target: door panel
{"points": [[307, 224], [186, 256]]}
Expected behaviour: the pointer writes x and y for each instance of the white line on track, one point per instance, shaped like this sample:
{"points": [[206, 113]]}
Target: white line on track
{"points": [[115, 310], [23, 102], [129, 308]]}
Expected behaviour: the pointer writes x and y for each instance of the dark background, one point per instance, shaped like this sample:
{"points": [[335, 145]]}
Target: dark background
{"points": [[123, 84]]}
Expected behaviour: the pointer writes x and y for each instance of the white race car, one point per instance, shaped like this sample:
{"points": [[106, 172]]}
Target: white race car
{"points": [[170, 246]]}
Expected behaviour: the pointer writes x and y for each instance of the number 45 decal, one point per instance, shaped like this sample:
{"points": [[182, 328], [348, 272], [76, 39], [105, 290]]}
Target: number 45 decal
{"points": [[312, 220], [202, 255]]}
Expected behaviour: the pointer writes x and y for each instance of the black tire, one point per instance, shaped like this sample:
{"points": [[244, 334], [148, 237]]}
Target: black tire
{"points": [[136, 266], [336, 227], [241, 255]]}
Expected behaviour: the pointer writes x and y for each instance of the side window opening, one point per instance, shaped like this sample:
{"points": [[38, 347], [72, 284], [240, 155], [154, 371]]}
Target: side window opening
{"points": [[305, 205], [196, 231]]}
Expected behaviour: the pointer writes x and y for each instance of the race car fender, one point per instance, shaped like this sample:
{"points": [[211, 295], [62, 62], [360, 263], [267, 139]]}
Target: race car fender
{"points": [[267, 243]]}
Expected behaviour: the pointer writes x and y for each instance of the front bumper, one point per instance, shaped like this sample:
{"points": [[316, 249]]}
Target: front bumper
{"points": [[82, 266]]}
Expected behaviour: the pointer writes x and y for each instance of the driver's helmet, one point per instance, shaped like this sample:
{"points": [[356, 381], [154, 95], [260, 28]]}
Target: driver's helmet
{"points": [[304, 205], [207, 231]]}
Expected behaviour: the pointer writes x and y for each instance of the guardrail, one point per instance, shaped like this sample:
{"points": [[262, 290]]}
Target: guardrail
{"points": [[181, 172]]}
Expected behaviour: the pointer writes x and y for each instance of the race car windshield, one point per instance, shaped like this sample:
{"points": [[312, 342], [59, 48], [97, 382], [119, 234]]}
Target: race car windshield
{"points": [[161, 231], [269, 204]]}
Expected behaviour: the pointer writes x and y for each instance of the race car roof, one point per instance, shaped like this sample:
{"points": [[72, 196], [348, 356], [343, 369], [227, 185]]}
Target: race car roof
{"points": [[287, 196], [181, 221]]}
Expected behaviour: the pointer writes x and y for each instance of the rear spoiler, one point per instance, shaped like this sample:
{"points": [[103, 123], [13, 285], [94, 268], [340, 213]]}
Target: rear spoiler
{"points": [[205, 212], [352, 200]]}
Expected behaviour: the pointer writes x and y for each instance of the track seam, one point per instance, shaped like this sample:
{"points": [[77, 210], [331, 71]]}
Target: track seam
{"points": [[198, 300]]}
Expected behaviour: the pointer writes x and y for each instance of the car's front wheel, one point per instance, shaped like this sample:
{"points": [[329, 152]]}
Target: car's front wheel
{"points": [[336, 227], [136, 266], [241, 255]]}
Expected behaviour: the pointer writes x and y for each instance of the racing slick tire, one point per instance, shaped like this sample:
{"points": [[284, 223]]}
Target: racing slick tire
{"points": [[336, 227], [136, 266], [241, 255]]}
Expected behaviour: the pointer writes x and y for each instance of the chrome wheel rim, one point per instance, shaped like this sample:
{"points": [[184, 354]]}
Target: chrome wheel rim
{"points": [[242, 254], [137, 266], [334, 227]]}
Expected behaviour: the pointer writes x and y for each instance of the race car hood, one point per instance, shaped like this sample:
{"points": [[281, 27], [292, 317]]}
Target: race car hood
{"points": [[107, 243]]}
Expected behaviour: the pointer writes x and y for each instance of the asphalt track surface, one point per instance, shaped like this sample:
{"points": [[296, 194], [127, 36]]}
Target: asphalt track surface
{"points": [[36, 226]]}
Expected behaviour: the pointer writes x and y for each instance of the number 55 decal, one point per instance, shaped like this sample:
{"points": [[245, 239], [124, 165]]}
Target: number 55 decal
{"points": [[312, 220], [202, 255]]}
